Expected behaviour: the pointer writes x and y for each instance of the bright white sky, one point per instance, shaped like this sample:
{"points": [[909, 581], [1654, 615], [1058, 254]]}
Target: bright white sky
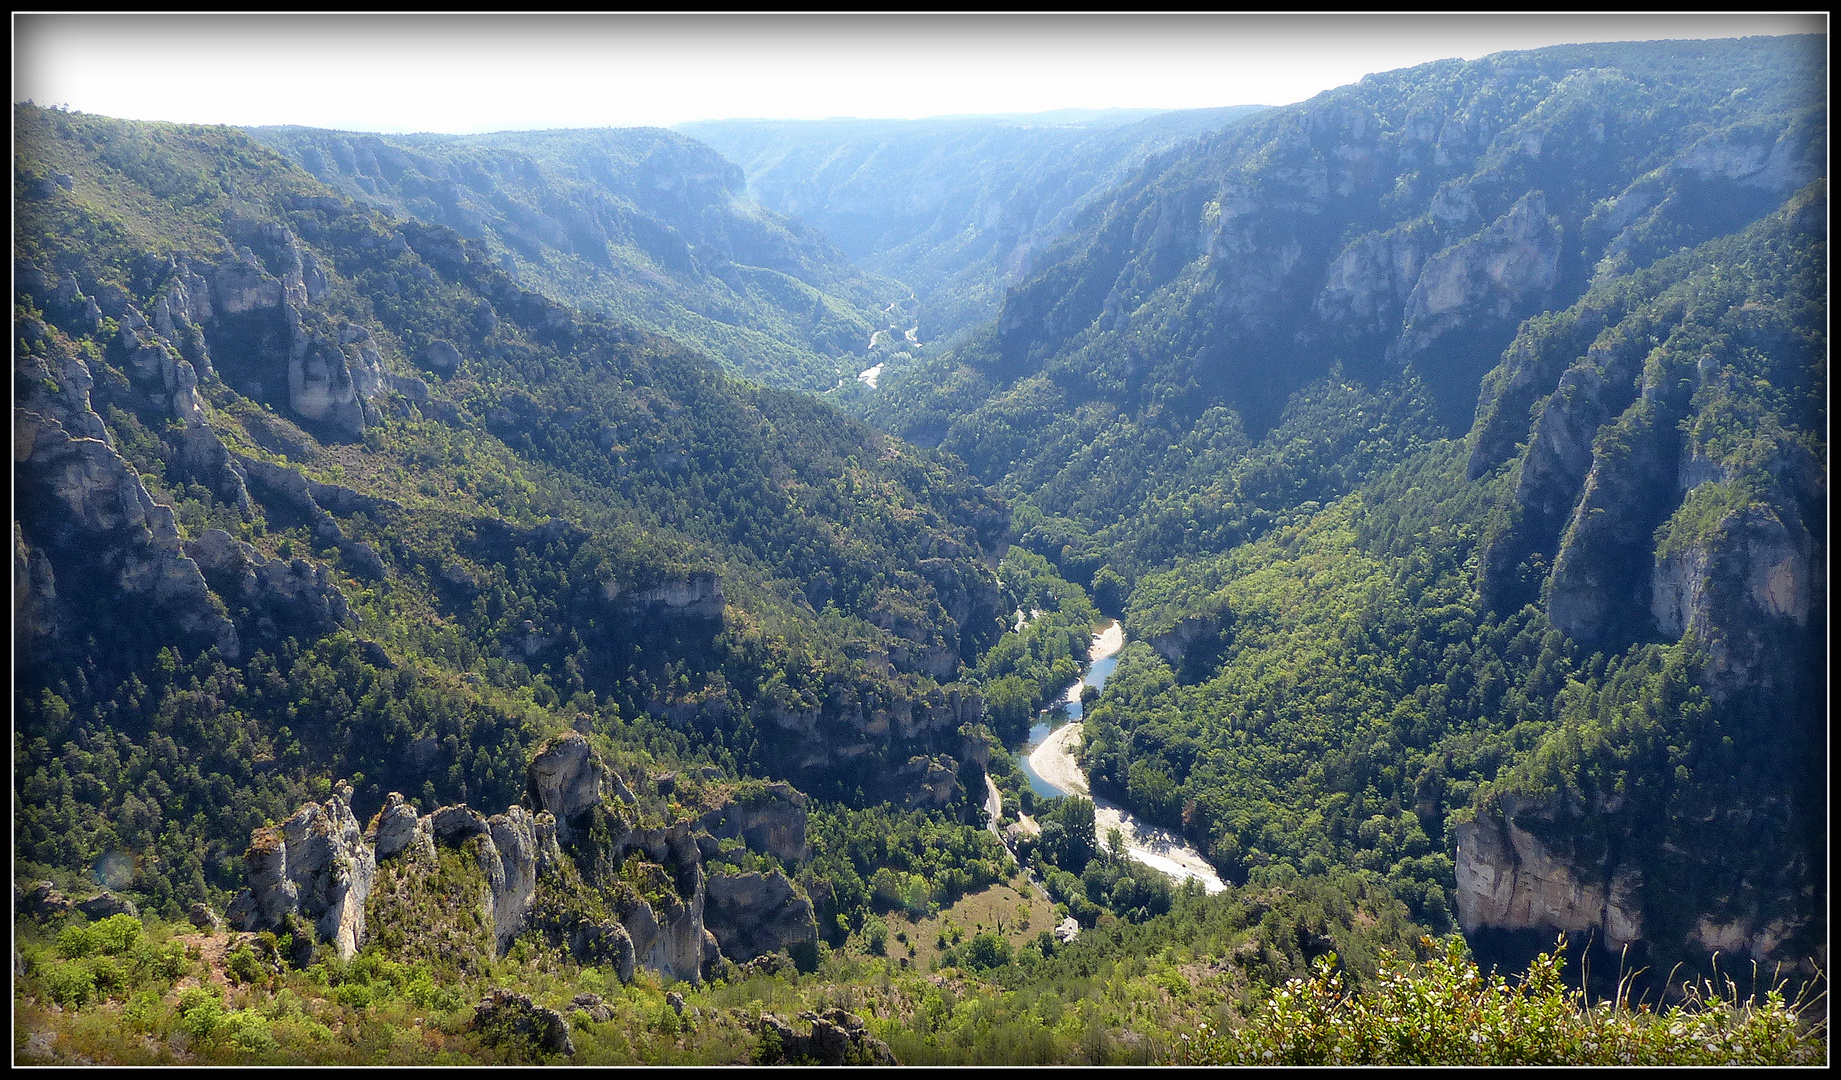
{"points": [[465, 74]]}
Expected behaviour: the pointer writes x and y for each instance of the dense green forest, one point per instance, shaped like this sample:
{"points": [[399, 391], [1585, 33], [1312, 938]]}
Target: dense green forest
{"points": [[494, 553], [1451, 448]]}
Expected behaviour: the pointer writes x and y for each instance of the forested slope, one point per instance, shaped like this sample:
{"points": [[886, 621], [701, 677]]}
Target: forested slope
{"points": [[638, 224], [957, 208], [1533, 677], [303, 490]]}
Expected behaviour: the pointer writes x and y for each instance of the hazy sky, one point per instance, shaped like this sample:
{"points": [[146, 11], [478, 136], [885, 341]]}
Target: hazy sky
{"points": [[488, 73]]}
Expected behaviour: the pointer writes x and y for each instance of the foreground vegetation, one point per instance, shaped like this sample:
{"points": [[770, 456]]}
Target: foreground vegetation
{"points": [[1197, 986]]}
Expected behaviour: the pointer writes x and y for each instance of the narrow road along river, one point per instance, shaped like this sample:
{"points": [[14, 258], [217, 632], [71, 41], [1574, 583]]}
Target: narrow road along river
{"points": [[1052, 770]]}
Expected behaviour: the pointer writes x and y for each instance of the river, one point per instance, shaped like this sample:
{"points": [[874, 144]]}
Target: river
{"points": [[1049, 764]]}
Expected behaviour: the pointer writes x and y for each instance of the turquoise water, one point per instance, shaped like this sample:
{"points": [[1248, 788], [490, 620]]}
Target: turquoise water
{"points": [[1053, 718]]}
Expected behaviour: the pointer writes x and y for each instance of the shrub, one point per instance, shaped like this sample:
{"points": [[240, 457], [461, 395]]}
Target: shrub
{"points": [[201, 1013], [159, 963], [117, 934], [69, 983], [354, 996], [77, 940], [109, 974], [1446, 1012], [142, 1011], [243, 965], [247, 1030]]}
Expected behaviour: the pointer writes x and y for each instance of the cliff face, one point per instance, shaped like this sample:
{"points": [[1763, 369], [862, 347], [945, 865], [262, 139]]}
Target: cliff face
{"points": [[1508, 879], [87, 534], [1670, 490], [1661, 494]]}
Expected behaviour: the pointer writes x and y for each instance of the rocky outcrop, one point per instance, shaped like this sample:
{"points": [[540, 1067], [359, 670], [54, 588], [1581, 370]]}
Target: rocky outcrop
{"points": [[80, 504], [515, 850], [282, 599], [836, 1038], [568, 780], [605, 943], [316, 864], [105, 904], [510, 1020], [1508, 879], [201, 916], [698, 596], [927, 783], [1506, 270], [752, 914], [771, 820], [651, 878], [44, 900], [397, 830]]}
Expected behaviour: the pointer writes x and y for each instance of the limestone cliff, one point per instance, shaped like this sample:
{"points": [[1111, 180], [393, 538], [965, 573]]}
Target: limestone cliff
{"points": [[87, 533], [1508, 879]]}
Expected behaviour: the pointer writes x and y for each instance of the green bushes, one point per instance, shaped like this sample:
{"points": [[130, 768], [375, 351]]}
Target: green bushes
{"points": [[1446, 1012]]}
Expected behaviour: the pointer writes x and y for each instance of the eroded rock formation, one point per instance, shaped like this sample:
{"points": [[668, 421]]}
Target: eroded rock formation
{"points": [[623, 894], [316, 864]]}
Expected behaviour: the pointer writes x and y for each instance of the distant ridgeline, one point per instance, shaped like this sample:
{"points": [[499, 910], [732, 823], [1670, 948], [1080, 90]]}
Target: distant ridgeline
{"points": [[1563, 672], [638, 224], [304, 491], [954, 207]]}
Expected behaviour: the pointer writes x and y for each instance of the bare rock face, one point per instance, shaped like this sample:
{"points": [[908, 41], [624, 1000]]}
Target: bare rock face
{"points": [[771, 821], [455, 825], [670, 939], [568, 780], [43, 900], [1742, 938], [1505, 271], [297, 597], [753, 913], [1368, 284], [240, 285], [605, 943], [519, 846], [398, 831], [105, 904], [668, 935], [321, 387], [928, 782], [315, 864], [77, 500], [441, 357], [698, 596], [1749, 589], [1508, 879], [204, 918]]}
